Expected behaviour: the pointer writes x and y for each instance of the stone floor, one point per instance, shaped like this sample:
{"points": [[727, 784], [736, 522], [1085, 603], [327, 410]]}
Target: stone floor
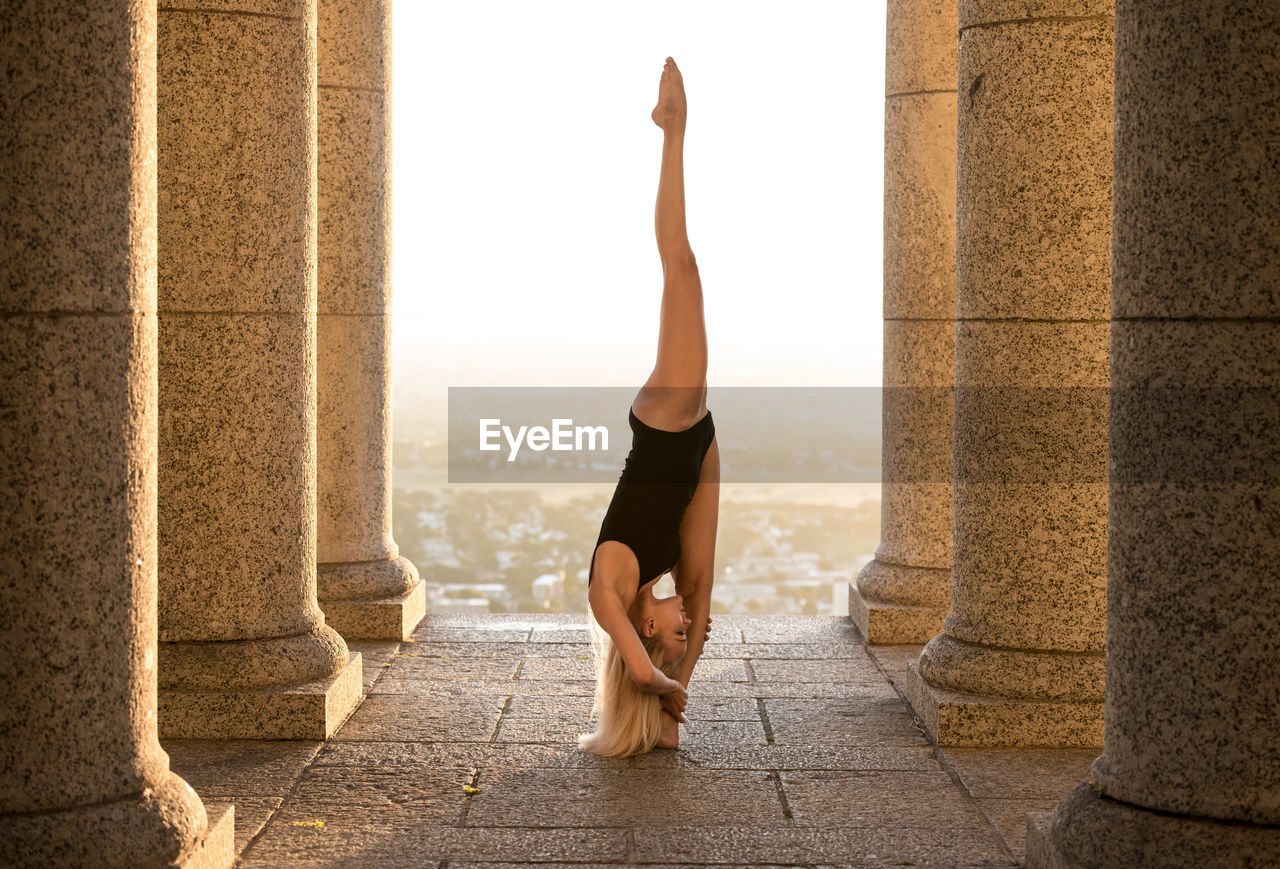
{"points": [[799, 752]]}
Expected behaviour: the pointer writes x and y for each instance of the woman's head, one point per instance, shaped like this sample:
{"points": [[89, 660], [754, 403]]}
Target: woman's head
{"points": [[628, 719], [662, 621]]}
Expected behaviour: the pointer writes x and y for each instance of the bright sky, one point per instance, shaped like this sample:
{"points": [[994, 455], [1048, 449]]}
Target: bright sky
{"points": [[526, 167]]}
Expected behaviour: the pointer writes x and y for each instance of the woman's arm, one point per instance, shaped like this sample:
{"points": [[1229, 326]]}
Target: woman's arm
{"points": [[697, 606], [606, 606]]}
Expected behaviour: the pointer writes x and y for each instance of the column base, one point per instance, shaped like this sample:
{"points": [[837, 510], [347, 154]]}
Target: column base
{"points": [[1091, 830], [388, 619], [218, 849], [886, 624], [312, 710], [158, 827], [956, 719]]}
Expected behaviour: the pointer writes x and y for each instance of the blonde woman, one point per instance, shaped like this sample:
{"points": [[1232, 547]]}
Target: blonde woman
{"points": [[662, 518]]}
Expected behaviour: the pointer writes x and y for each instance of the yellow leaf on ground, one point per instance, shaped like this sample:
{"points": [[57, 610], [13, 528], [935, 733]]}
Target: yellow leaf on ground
{"points": [[314, 822]]}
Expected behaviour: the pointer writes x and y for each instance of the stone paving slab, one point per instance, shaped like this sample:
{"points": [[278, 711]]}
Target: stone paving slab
{"points": [[378, 796], [795, 651], [702, 707], [574, 708], [857, 846], [783, 757], [718, 670], [459, 717], [579, 665], [453, 864], [876, 798], [516, 634], [473, 755], [227, 768], [393, 683], [494, 649], [253, 775], [252, 815], [1009, 817], [376, 655], [795, 629], [1026, 772], [452, 670], [864, 721], [860, 669], [625, 798], [894, 659], [408, 843], [799, 752], [468, 865]]}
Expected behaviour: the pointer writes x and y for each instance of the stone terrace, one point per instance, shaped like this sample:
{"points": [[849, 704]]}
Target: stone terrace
{"points": [[799, 752]]}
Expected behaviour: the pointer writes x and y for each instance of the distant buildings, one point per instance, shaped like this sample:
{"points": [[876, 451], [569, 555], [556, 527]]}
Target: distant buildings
{"points": [[513, 551]]}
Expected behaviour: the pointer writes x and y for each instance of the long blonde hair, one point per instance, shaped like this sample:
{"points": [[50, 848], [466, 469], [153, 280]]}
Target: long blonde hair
{"points": [[628, 719]]}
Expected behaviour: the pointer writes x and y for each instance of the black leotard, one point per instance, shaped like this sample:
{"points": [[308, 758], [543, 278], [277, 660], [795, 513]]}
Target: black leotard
{"points": [[654, 489]]}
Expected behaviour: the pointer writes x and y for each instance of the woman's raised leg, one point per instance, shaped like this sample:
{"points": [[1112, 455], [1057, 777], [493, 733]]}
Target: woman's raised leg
{"points": [[674, 396]]}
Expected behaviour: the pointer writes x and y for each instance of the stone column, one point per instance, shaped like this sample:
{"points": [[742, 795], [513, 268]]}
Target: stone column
{"points": [[245, 651], [1190, 768], [83, 780], [901, 596], [366, 589], [1020, 661]]}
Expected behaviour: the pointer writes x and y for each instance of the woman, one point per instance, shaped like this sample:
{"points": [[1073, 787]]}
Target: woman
{"points": [[663, 514]]}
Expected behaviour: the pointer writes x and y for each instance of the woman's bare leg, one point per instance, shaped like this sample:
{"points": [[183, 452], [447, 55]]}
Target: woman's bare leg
{"points": [[674, 396]]}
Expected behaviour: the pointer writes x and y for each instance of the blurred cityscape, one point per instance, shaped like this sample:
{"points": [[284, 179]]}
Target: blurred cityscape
{"points": [[526, 547]]}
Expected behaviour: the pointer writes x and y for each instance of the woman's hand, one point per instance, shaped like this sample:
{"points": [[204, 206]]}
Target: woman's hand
{"points": [[708, 626], [673, 707], [663, 685], [673, 694]]}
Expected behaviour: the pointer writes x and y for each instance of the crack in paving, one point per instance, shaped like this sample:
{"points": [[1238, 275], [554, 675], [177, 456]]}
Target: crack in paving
{"points": [[969, 800], [469, 789], [764, 720], [782, 798], [502, 715]]}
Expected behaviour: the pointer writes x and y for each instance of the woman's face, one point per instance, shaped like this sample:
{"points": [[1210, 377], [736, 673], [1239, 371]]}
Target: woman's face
{"points": [[670, 626]]}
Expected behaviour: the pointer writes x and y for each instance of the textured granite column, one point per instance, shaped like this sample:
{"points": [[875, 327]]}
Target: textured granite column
{"points": [[83, 780], [245, 651], [1020, 661], [366, 589], [1190, 768], [901, 596]]}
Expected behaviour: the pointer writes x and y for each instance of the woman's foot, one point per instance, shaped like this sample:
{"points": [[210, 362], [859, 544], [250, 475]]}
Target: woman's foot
{"points": [[669, 113], [670, 733]]}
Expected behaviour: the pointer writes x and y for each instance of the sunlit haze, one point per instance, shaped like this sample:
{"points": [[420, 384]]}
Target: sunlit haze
{"points": [[526, 166]]}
